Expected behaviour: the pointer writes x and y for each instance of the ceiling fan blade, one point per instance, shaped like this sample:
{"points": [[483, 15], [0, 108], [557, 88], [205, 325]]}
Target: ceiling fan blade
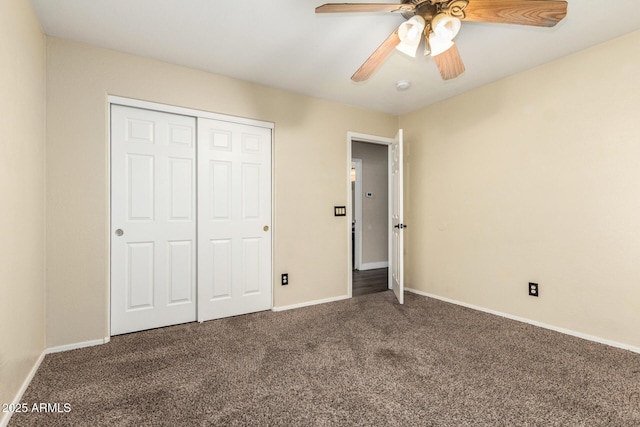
{"points": [[450, 63], [377, 58], [540, 13], [364, 7]]}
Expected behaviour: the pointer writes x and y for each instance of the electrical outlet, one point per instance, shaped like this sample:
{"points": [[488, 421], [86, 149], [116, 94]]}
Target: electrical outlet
{"points": [[533, 289], [285, 279]]}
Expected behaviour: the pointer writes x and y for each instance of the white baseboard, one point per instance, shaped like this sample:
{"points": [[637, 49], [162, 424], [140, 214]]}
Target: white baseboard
{"points": [[77, 345], [309, 303], [4, 421], [531, 322], [374, 265]]}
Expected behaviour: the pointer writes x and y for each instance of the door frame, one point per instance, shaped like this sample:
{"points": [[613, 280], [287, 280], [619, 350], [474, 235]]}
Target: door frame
{"points": [[357, 214], [172, 109], [372, 139]]}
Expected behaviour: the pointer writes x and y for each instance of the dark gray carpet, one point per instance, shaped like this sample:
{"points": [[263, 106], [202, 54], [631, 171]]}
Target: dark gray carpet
{"points": [[364, 361]]}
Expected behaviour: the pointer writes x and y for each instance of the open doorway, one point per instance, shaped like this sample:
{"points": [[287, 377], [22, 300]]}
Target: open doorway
{"points": [[369, 217]]}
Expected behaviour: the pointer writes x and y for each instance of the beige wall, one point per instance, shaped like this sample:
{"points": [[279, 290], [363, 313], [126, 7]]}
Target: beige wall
{"points": [[22, 92], [310, 155], [534, 178], [528, 179], [375, 223]]}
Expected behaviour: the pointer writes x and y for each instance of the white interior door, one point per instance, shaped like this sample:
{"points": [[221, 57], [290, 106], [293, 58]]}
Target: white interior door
{"points": [[396, 256], [153, 219], [234, 219]]}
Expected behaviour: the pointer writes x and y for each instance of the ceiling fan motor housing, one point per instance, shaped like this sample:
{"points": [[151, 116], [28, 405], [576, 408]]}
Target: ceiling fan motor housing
{"points": [[429, 8], [418, 4]]}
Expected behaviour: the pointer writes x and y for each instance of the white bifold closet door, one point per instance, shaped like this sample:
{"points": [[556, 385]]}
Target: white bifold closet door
{"points": [[234, 219], [190, 219], [153, 219]]}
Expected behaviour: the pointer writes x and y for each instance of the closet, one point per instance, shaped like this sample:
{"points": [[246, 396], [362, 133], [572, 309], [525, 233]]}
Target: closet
{"points": [[190, 216]]}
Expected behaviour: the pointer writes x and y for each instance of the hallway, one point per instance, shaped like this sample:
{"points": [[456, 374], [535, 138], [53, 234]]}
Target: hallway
{"points": [[370, 281]]}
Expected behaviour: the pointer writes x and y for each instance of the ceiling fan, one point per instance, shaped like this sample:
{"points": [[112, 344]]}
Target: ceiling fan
{"points": [[438, 22]]}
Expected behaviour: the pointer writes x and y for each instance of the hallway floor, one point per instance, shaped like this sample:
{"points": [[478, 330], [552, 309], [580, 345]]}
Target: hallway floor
{"points": [[369, 281]]}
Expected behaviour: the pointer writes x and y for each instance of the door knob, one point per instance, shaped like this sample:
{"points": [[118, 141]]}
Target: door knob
{"points": [[400, 226], [119, 232], [265, 228]]}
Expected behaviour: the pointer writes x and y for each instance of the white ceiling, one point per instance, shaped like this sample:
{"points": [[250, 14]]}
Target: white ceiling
{"points": [[284, 44]]}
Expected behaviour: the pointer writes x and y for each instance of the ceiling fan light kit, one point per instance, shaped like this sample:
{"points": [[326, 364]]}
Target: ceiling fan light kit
{"points": [[440, 20], [444, 29], [410, 34], [445, 25], [439, 44]]}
